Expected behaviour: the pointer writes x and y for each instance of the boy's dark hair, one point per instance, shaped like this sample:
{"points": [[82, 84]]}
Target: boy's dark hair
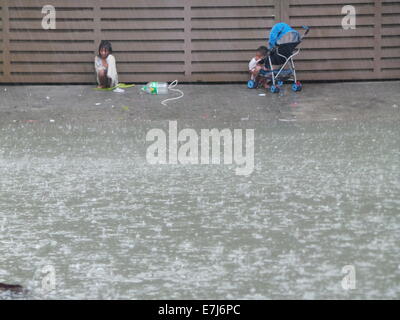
{"points": [[105, 44], [263, 50]]}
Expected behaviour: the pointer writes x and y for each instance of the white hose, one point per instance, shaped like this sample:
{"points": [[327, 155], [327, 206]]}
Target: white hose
{"points": [[172, 88]]}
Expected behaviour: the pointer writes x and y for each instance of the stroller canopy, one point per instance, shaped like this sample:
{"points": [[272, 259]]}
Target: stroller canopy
{"points": [[283, 33]]}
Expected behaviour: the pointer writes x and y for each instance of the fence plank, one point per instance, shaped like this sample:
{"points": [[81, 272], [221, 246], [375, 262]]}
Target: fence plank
{"points": [[194, 40], [378, 38], [5, 75]]}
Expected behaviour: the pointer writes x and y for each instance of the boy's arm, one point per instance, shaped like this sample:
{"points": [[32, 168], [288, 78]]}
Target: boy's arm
{"points": [[252, 64]]}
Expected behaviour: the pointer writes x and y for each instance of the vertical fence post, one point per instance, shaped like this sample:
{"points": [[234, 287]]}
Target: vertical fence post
{"points": [[277, 8], [188, 39], [97, 23], [378, 39], [6, 41], [284, 11]]}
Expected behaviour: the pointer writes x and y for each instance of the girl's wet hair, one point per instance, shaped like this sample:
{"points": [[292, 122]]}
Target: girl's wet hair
{"points": [[105, 44]]}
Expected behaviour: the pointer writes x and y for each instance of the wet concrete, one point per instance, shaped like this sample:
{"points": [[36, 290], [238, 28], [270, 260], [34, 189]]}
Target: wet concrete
{"points": [[79, 199], [317, 102]]}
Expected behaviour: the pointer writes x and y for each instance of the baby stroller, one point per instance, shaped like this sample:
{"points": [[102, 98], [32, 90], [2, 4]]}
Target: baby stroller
{"points": [[282, 54]]}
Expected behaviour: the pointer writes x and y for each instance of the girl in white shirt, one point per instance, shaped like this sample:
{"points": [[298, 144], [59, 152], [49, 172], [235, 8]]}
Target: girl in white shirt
{"points": [[106, 67]]}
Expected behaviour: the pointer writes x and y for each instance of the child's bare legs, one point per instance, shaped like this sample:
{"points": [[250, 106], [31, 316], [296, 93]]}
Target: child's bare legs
{"points": [[103, 79], [265, 84], [263, 80]]}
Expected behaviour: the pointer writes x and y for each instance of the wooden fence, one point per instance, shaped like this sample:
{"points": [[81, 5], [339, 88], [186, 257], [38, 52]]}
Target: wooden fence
{"points": [[193, 40]]}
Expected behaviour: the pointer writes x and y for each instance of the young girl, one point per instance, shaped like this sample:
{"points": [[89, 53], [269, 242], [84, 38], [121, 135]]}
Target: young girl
{"points": [[106, 67]]}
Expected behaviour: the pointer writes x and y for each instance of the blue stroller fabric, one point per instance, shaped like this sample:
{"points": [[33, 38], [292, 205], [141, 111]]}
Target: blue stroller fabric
{"points": [[282, 33], [286, 38]]}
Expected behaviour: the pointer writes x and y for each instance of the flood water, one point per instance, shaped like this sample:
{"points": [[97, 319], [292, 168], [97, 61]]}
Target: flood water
{"points": [[81, 198]]}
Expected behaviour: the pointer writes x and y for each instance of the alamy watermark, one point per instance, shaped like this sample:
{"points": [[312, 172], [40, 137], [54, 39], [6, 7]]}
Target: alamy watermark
{"points": [[46, 276], [349, 21], [349, 281], [49, 278], [190, 147], [49, 20]]}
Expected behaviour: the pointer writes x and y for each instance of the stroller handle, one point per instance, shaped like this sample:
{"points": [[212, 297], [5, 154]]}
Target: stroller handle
{"points": [[307, 28]]}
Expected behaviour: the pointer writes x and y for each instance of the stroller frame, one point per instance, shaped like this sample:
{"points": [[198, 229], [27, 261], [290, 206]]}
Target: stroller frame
{"points": [[279, 74], [288, 52]]}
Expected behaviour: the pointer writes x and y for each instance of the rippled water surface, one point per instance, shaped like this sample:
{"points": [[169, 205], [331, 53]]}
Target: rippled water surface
{"points": [[80, 197]]}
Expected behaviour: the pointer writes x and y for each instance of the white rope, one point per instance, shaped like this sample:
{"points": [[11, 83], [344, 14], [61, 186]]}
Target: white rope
{"points": [[172, 88]]}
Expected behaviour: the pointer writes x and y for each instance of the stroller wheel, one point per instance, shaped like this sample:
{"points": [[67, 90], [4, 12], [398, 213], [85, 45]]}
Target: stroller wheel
{"points": [[297, 86], [251, 84], [280, 83], [275, 89]]}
